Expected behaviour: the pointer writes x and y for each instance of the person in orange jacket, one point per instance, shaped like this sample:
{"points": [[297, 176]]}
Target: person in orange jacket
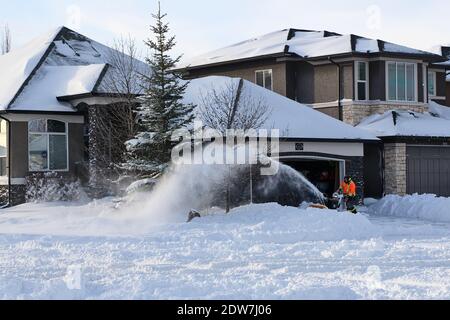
{"points": [[348, 189]]}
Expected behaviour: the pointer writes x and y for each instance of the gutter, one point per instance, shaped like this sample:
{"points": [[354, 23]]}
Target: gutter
{"points": [[340, 108], [9, 162]]}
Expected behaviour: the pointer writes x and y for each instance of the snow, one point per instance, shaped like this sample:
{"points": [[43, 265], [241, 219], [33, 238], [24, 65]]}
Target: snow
{"points": [[408, 124], [320, 47], [17, 65], [425, 207], [51, 82], [439, 110], [92, 251], [137, 185], [293, 119], [306, 44]]}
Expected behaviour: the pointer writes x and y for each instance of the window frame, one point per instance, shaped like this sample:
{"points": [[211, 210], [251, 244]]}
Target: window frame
{"points": [[416, 81], [48, 134], [358, 81], [264, 78], [434, 83]]}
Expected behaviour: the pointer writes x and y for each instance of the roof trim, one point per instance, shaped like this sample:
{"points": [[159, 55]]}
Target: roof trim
{"points": [[375, 140], [74, 113], [94, 94], [256, 58], [100, 77]]}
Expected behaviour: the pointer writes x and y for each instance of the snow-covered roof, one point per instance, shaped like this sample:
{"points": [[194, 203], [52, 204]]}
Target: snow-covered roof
{"points": [[17, 66], [306, 44], [51, 82], [294, 120], [435, 123], [61, 62]]}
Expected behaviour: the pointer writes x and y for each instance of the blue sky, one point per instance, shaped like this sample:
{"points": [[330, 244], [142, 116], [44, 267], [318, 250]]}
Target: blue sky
{"points": [[203, 25]]}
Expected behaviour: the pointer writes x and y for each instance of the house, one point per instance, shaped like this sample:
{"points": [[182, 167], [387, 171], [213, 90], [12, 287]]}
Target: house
{"points": [[47, 89], [347, 77], [310, 141], [416, 148], [52, 89], [445, 51]]}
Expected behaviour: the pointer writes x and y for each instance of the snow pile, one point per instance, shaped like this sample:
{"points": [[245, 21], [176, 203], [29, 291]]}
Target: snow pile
{"points": [[406, 123], [273, 223], [257, 223], [425, 207], [294, 120]]}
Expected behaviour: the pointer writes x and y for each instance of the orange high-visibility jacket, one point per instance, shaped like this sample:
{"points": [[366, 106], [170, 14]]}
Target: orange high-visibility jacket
{"points": [[349, 189]]}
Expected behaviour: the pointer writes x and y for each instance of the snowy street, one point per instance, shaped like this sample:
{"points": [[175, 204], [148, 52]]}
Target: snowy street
{"points": [[256, 252]]}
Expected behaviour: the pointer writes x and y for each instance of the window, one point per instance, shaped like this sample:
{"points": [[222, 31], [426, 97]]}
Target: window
{"points": [[264, 78], [431, 83], [362, 81], [47, 145], [402, 81]]}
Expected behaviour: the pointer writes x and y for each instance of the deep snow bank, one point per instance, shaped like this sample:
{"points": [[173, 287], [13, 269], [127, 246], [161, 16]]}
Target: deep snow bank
{"points": [[258, 222], [274, 223], [426, 207]]}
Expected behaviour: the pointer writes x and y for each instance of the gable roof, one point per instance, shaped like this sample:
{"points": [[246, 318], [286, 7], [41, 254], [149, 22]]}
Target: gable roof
{"points": [[294, 120], [59, 63], [435, 123], [18, 65], [304, 44]]}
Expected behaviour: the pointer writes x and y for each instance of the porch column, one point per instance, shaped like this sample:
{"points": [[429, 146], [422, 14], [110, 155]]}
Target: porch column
{"points": [[395, 168]]}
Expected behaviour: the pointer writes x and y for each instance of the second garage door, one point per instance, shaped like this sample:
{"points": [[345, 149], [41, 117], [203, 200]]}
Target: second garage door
{"points": [[428, 170]]}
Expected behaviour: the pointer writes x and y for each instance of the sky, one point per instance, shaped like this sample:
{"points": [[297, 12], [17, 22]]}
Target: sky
{"points": [[204, 25]]}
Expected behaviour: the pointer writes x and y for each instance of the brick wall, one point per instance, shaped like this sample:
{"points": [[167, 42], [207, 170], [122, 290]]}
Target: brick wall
{"points": [[395, 168]]}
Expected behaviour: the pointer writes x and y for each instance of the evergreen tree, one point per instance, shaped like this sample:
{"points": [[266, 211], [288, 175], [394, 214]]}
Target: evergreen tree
{"points": [[161, 111]]}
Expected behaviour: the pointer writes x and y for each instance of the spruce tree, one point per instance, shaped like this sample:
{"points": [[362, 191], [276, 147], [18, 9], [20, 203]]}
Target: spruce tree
{"points": [[162, 110]]}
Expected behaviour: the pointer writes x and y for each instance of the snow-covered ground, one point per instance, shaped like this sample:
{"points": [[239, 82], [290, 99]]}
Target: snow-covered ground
{"points": [[257, 252]]}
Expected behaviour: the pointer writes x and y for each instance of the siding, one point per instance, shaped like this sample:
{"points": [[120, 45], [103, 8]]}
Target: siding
{"points": [[377, 80], [19, 149], [420, 83], [76, 146], [347, 76], [304, 86], [325, 83], [440, 84], [247, 71], [330, 111], [448, 93]]}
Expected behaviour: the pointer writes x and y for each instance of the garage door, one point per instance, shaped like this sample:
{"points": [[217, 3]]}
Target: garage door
{"points": [[428, 170]]}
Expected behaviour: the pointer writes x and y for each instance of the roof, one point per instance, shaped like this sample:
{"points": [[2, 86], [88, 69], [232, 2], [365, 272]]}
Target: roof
{"points": [[51, 82], [435, 123], [60, 63], [294, 120], [305, 44], [444, 51]]}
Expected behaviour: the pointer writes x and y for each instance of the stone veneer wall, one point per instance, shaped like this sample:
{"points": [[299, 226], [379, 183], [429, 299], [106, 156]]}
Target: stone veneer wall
{"points": [[355, 169], [355, 113], [395, 168]]}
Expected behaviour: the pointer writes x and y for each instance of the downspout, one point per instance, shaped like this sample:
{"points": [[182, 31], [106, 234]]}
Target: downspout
{"points": [[340, 110], [9, 160]]}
